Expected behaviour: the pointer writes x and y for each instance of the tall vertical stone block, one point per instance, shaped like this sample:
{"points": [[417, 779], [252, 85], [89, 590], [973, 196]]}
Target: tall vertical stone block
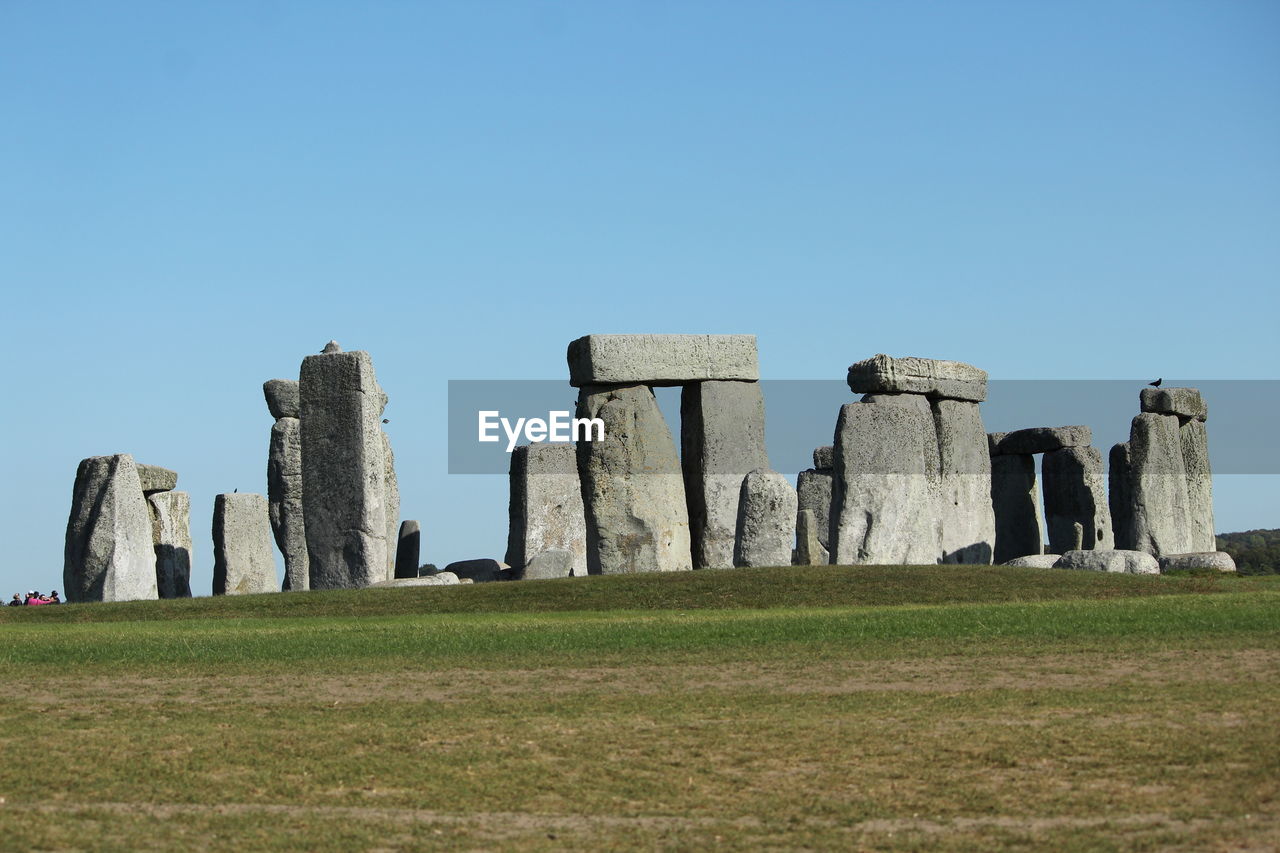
{"points": [[408, 549], [344, 471], [809, 551], [109, 553], [1158, 486], [766, 528], [1120, 497], [632, 485], [242, 559], [968, 525], [545, 512], [171, 535], [1015, 498], [392, 503], [1194, 440], [1075, 494], [813, 491], [722, 440], [284, 497], [884, 495]]}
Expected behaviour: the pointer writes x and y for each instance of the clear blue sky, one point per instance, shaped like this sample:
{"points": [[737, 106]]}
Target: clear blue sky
{"points": [[196, 195]]}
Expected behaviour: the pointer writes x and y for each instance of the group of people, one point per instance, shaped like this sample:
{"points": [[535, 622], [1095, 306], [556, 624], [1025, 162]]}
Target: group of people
{"points": [[34, 597]]}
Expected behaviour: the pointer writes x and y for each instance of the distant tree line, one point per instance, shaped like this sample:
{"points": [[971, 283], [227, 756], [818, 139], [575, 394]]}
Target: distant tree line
{"points": [[1256, 552]]}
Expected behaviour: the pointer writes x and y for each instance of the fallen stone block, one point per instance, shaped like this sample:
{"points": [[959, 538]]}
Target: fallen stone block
{"points": [[545, 510], [1124, 562], [1044, 439], [242, 559], [1217, 560], [661, 359], [766, 529], [934, 378], [438, 579], [481, 571], [1183, 402], [552, 563], [1035, 561], [282, 398], [171, 537], [722, 440], [109, 552]]}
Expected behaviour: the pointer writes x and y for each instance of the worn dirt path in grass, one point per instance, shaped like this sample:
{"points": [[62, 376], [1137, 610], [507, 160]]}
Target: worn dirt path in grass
{"points": [[938, 675]]}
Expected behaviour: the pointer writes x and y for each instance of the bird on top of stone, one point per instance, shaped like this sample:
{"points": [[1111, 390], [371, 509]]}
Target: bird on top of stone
{"points": [[332, 346], [386, 420], [1156, 384]]}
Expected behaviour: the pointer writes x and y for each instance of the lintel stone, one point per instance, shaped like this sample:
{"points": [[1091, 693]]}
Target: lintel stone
{"points": [[661, 359]]}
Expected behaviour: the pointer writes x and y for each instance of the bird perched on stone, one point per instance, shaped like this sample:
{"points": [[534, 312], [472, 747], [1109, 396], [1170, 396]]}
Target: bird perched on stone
{"points": [[386, 420], [332, 346], [235, 491], [1156, 384]]}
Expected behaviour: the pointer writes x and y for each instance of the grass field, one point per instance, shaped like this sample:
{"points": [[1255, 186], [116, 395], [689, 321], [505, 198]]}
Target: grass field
{"points": [[954, 708]]}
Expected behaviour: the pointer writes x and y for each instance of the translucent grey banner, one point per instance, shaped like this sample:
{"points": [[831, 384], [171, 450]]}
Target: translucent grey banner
{"points": [[800, 414]]}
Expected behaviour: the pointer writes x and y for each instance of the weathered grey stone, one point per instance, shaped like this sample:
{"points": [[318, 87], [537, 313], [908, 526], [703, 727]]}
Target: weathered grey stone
{"points": [[171, 538], [884, 499], [1119, 497], [1194, 439], [1125, 562], [282, 397], [553, 563], [993, 442], [242, 560], [153, 478], [935, 378], [480, 571], [1158, 486], [1036, 561], [1218, 560], [392, 503], [545, 511], [1074, 493], [966, 515], [1183, 402], [632, 486], [824, 457], [284, 500], [1045, 439], [344, 472], [438, 579], [1015, 498], [661, 359], [408, 549], [928, 438], [109, 554], [813, 490], [767, 510], [722, 439], [809, 551]]}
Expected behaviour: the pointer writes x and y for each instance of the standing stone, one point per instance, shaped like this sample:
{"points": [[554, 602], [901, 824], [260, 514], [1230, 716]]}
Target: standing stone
{"points": [[966, 515], [632, 486], [1158, 486], [109, 554], [171, 537], [392, 504], [813, 490], [546, 565], [1074, 493], [1120, 497], [408, 549], [809, 551], [1195, 459], [766, 527], [284, 498], [242, 560], [883, 501], [722, 440], [1015, 498], [344, 473], [545, 511]]}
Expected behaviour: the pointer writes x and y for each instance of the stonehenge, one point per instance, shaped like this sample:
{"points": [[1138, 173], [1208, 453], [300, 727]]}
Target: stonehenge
{"points": [[912, 477]]}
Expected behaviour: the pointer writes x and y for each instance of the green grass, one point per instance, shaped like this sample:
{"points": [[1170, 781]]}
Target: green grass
{"points": [[963, 708]]}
